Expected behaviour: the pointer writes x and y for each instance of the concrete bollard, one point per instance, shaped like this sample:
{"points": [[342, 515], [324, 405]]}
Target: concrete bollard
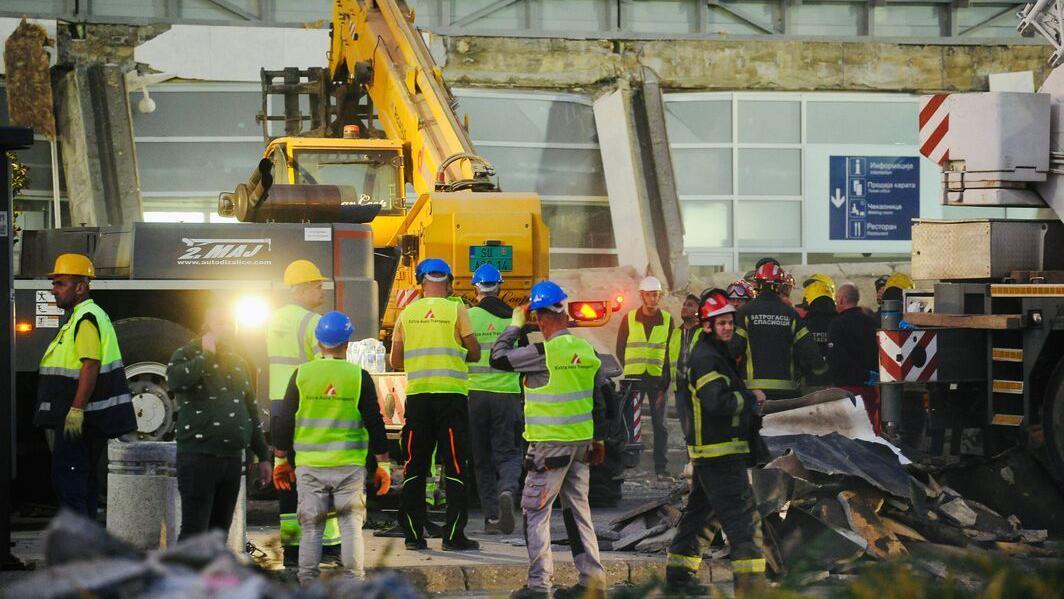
{"points": [[142, 498]]}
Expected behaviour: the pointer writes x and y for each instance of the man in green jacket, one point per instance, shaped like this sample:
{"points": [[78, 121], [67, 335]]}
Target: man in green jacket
{"points": [[217, 422]]}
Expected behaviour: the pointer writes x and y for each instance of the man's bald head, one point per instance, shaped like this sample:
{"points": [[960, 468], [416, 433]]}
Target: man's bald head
{"points": [[847, 296]]}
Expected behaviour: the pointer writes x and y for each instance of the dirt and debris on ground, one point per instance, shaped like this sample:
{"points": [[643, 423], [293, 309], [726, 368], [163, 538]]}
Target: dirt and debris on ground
{"points": [[83, 560], [833, 503]]}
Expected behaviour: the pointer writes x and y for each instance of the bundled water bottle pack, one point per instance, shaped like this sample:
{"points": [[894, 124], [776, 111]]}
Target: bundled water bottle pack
{"points": [[369, 354]]}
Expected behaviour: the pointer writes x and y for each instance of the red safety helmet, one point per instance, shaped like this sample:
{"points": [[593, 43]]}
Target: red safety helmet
{"points": [[715, 303], [769, 272]]}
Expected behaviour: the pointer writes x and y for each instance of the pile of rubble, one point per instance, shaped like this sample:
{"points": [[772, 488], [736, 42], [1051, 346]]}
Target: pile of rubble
{"points": [[830, 501], [84, 561]]}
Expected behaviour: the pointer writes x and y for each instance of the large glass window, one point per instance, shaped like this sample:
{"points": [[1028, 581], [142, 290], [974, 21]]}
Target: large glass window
{"points": [[741, 161], [547, 143]]}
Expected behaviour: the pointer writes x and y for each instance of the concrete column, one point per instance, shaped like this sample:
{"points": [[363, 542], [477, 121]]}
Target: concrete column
{"points": [[624, 181], [99, 157]]}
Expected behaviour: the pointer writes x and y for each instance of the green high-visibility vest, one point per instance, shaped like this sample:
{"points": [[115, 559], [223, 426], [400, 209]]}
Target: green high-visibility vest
{"points": [[110, 408], [561, 410], [642, 355], [433, 358], [289, 342], [482, 377], [329, 430]]}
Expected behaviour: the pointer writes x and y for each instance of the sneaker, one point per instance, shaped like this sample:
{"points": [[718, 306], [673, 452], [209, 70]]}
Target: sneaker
{"points": [[506, 512], [330, 554], [491, 526], [416, 544], [461, 543], [527, 593], [579, 591]]}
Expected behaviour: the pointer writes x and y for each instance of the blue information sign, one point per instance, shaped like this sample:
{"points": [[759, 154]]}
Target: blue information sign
{"points": [[874, 197]]}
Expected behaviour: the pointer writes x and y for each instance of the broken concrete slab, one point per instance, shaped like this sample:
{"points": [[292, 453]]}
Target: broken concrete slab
{"points": [[836, 455], [958, 512], [658, 543], [630, 541]]}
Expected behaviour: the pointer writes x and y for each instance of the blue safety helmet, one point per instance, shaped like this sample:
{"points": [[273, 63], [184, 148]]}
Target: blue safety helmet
{"points": [[547, 295], [433, 265], [487, 275], [333, 329]]}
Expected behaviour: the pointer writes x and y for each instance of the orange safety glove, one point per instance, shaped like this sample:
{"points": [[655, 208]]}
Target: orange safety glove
{"points": [[382, 479], [283, 474], [597, 453]]}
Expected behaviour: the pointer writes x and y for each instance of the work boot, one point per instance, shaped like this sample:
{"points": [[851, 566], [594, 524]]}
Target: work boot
{"points": [[579, 591], [506, 512], [462, 543], [416, 544], [491, 526], [527, 593], [689, 588], [291, 556]]}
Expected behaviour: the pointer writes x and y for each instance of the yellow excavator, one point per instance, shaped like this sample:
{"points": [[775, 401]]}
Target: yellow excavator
{"points": [[375, 128]]}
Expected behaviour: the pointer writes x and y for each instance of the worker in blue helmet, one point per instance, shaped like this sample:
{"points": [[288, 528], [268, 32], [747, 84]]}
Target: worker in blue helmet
{"points": [[494, 409], [433, 342], [565, 422], [329, 457]]}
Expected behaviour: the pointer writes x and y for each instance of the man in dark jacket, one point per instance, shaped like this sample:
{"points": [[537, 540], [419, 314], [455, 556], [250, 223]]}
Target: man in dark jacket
{"points": [[771, 339], [853, 354], [217, 422], [717, 428], [820, 311]]}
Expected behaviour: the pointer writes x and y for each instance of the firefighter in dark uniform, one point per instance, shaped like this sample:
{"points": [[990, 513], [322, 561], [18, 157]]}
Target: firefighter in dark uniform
{"points": [[719, 410], [770, 338], [819, 300]]}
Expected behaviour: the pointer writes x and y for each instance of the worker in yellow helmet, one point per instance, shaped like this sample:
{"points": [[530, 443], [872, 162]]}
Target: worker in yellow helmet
{"points": [[290, 342], [819, 302], [895, 285], [82, 392]]}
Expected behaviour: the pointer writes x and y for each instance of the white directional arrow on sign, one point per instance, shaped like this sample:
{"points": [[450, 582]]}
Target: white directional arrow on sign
{"points": [[838, 199]]}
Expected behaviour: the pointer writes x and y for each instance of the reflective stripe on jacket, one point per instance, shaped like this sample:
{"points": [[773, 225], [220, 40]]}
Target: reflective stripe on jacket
{"points": [[718, 405], [109, 410], [482, 377], [289, 343], [433, 358], [329, 430], [561, 410], [642, 355]]}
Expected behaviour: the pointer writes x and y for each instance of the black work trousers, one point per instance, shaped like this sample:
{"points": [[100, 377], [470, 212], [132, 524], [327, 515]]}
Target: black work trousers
{"points": [[435, 422], [75, 462], [651, 391], [209, 487], [493, 438], [720, 491]]}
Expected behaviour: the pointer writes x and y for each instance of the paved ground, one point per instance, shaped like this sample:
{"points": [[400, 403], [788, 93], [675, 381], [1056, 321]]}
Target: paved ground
{"points": [[500, 565]]}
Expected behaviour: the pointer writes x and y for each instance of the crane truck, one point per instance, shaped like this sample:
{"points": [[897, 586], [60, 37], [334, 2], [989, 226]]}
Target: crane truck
{"points": [[991, 354], [383, 129]]}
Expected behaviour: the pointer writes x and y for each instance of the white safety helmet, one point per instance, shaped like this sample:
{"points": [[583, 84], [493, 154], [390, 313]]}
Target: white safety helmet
{"points": [[650, 283]]}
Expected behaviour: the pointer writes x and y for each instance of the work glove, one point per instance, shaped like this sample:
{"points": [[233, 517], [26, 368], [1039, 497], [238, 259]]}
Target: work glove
{"points": [[75, 418], [382, 479], [520, 317], [283, 474], [597, 453]]}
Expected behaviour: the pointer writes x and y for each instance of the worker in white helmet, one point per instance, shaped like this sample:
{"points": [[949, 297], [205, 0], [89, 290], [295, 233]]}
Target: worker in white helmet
{"points": [[643, 347]]}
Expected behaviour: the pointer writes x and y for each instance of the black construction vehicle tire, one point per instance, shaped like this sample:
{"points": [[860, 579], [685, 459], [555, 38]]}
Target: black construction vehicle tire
{"points": [[147, 345], [1053, 422]]}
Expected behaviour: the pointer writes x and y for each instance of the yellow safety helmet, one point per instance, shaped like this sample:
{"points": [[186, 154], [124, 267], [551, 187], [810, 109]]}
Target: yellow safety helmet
{"points": [[822, 278], [301, 271], [899, 280], [73, 264], [816, 290]]}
